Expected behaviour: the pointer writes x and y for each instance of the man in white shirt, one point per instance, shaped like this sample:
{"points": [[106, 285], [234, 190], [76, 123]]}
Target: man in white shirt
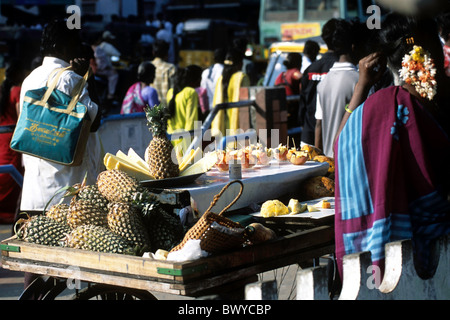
{"points": [[336, 88], [103, 58], [61, 48], [107, 46]]}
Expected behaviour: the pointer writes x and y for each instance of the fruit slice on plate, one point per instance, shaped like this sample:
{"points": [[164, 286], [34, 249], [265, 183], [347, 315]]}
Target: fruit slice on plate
{"points": [[113, 162], [132, 161], [312, 208], [189, 158], [201, 166], [133, 155]]}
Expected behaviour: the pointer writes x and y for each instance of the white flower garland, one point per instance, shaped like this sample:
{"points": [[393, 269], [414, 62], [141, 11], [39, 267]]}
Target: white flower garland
{"points": [[418, 70]]}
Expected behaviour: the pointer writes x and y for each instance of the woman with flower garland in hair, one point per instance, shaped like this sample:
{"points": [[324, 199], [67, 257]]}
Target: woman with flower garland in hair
{"points": [[228, 86], [392, 150]]}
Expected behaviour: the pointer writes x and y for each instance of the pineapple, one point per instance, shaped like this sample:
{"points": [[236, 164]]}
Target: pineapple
{"points": [[125, 220], [118, 186], [164, 228], [42, 230], [58, 212], [93, 195], [159, 151], [84, 212], [97, 238]]}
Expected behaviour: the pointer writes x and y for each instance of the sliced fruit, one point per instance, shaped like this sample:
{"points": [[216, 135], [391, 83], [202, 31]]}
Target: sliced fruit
{"points": [[133, 155], [324, 204], [188, 160], [296, 207], [129, 160], [113, 162], [312, 208], [201, 166]]}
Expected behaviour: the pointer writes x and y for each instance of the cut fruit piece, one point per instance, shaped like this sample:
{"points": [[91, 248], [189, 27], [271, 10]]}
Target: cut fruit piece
{"points": [[312, 209], [112, 162], [324, 204], [189, 158], [201, 166], [296, 207], [133, 155], [121, 155]]}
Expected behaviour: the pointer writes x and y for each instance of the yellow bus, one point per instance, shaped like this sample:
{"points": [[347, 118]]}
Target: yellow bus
{"points": [[287, 20]]}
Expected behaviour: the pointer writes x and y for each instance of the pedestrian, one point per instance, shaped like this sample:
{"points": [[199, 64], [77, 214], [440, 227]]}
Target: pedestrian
{"points": [[290, 80], [104, 68], [392, 173], [164, 70], [336, 89], [9, 110], [310, 52], [166, 33], [107, 44], [184, 109], [183, 102], [310, 79], [141, 93], [61, 47], [226, 122], [444, 30], [211, 74]]}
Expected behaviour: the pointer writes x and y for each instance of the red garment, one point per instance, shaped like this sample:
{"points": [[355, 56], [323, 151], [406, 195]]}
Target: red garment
{"points": [[9, 189], [447, 60], [290, 79]]}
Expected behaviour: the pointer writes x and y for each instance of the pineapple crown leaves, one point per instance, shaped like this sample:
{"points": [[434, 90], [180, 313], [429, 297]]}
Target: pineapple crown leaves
{"points": [[21, 224], [70, 191], [157, 119]]}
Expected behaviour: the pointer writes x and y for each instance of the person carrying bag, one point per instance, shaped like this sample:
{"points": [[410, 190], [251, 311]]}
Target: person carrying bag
{"points": [[53, 125]]}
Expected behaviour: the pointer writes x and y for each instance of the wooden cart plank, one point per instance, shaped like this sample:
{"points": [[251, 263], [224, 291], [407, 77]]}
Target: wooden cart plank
{"points": [[88, 259], [91, 276], [182, 272]]}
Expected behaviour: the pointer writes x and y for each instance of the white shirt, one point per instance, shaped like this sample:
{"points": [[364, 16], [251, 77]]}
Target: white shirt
{"points": [[209, 80], [305, 63], [42, 179], [167, 35], [109, 49]]}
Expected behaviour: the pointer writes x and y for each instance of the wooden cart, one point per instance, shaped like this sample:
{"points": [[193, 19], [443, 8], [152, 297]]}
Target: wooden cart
{"points": [[224, 274], [114, 276]]}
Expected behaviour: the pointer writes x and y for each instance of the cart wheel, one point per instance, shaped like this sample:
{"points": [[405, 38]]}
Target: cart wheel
{"points": [[107, 292], [44, 288]]}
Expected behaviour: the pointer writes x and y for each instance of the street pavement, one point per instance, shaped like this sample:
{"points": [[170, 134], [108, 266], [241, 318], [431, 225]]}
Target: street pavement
{"points": [[11, 282]]}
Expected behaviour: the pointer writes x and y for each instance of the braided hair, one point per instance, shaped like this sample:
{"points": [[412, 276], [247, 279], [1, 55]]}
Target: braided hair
{"points": [[232, 64], [184, 77]]}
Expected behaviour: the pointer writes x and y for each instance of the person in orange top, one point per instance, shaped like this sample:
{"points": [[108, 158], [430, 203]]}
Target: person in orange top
{"points": [[290, 79]]}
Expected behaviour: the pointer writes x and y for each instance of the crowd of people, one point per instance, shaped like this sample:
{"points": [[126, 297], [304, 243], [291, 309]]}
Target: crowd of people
{"points": [[376, 101]]}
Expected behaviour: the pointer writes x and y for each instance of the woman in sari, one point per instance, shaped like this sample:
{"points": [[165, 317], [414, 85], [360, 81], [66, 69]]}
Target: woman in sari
{"points": [[226, 122], [141, 93], [392, 150]]}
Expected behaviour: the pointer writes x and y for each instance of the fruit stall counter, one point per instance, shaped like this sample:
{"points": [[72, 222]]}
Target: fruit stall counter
{"points": [[204, 276], [261, 183]]}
